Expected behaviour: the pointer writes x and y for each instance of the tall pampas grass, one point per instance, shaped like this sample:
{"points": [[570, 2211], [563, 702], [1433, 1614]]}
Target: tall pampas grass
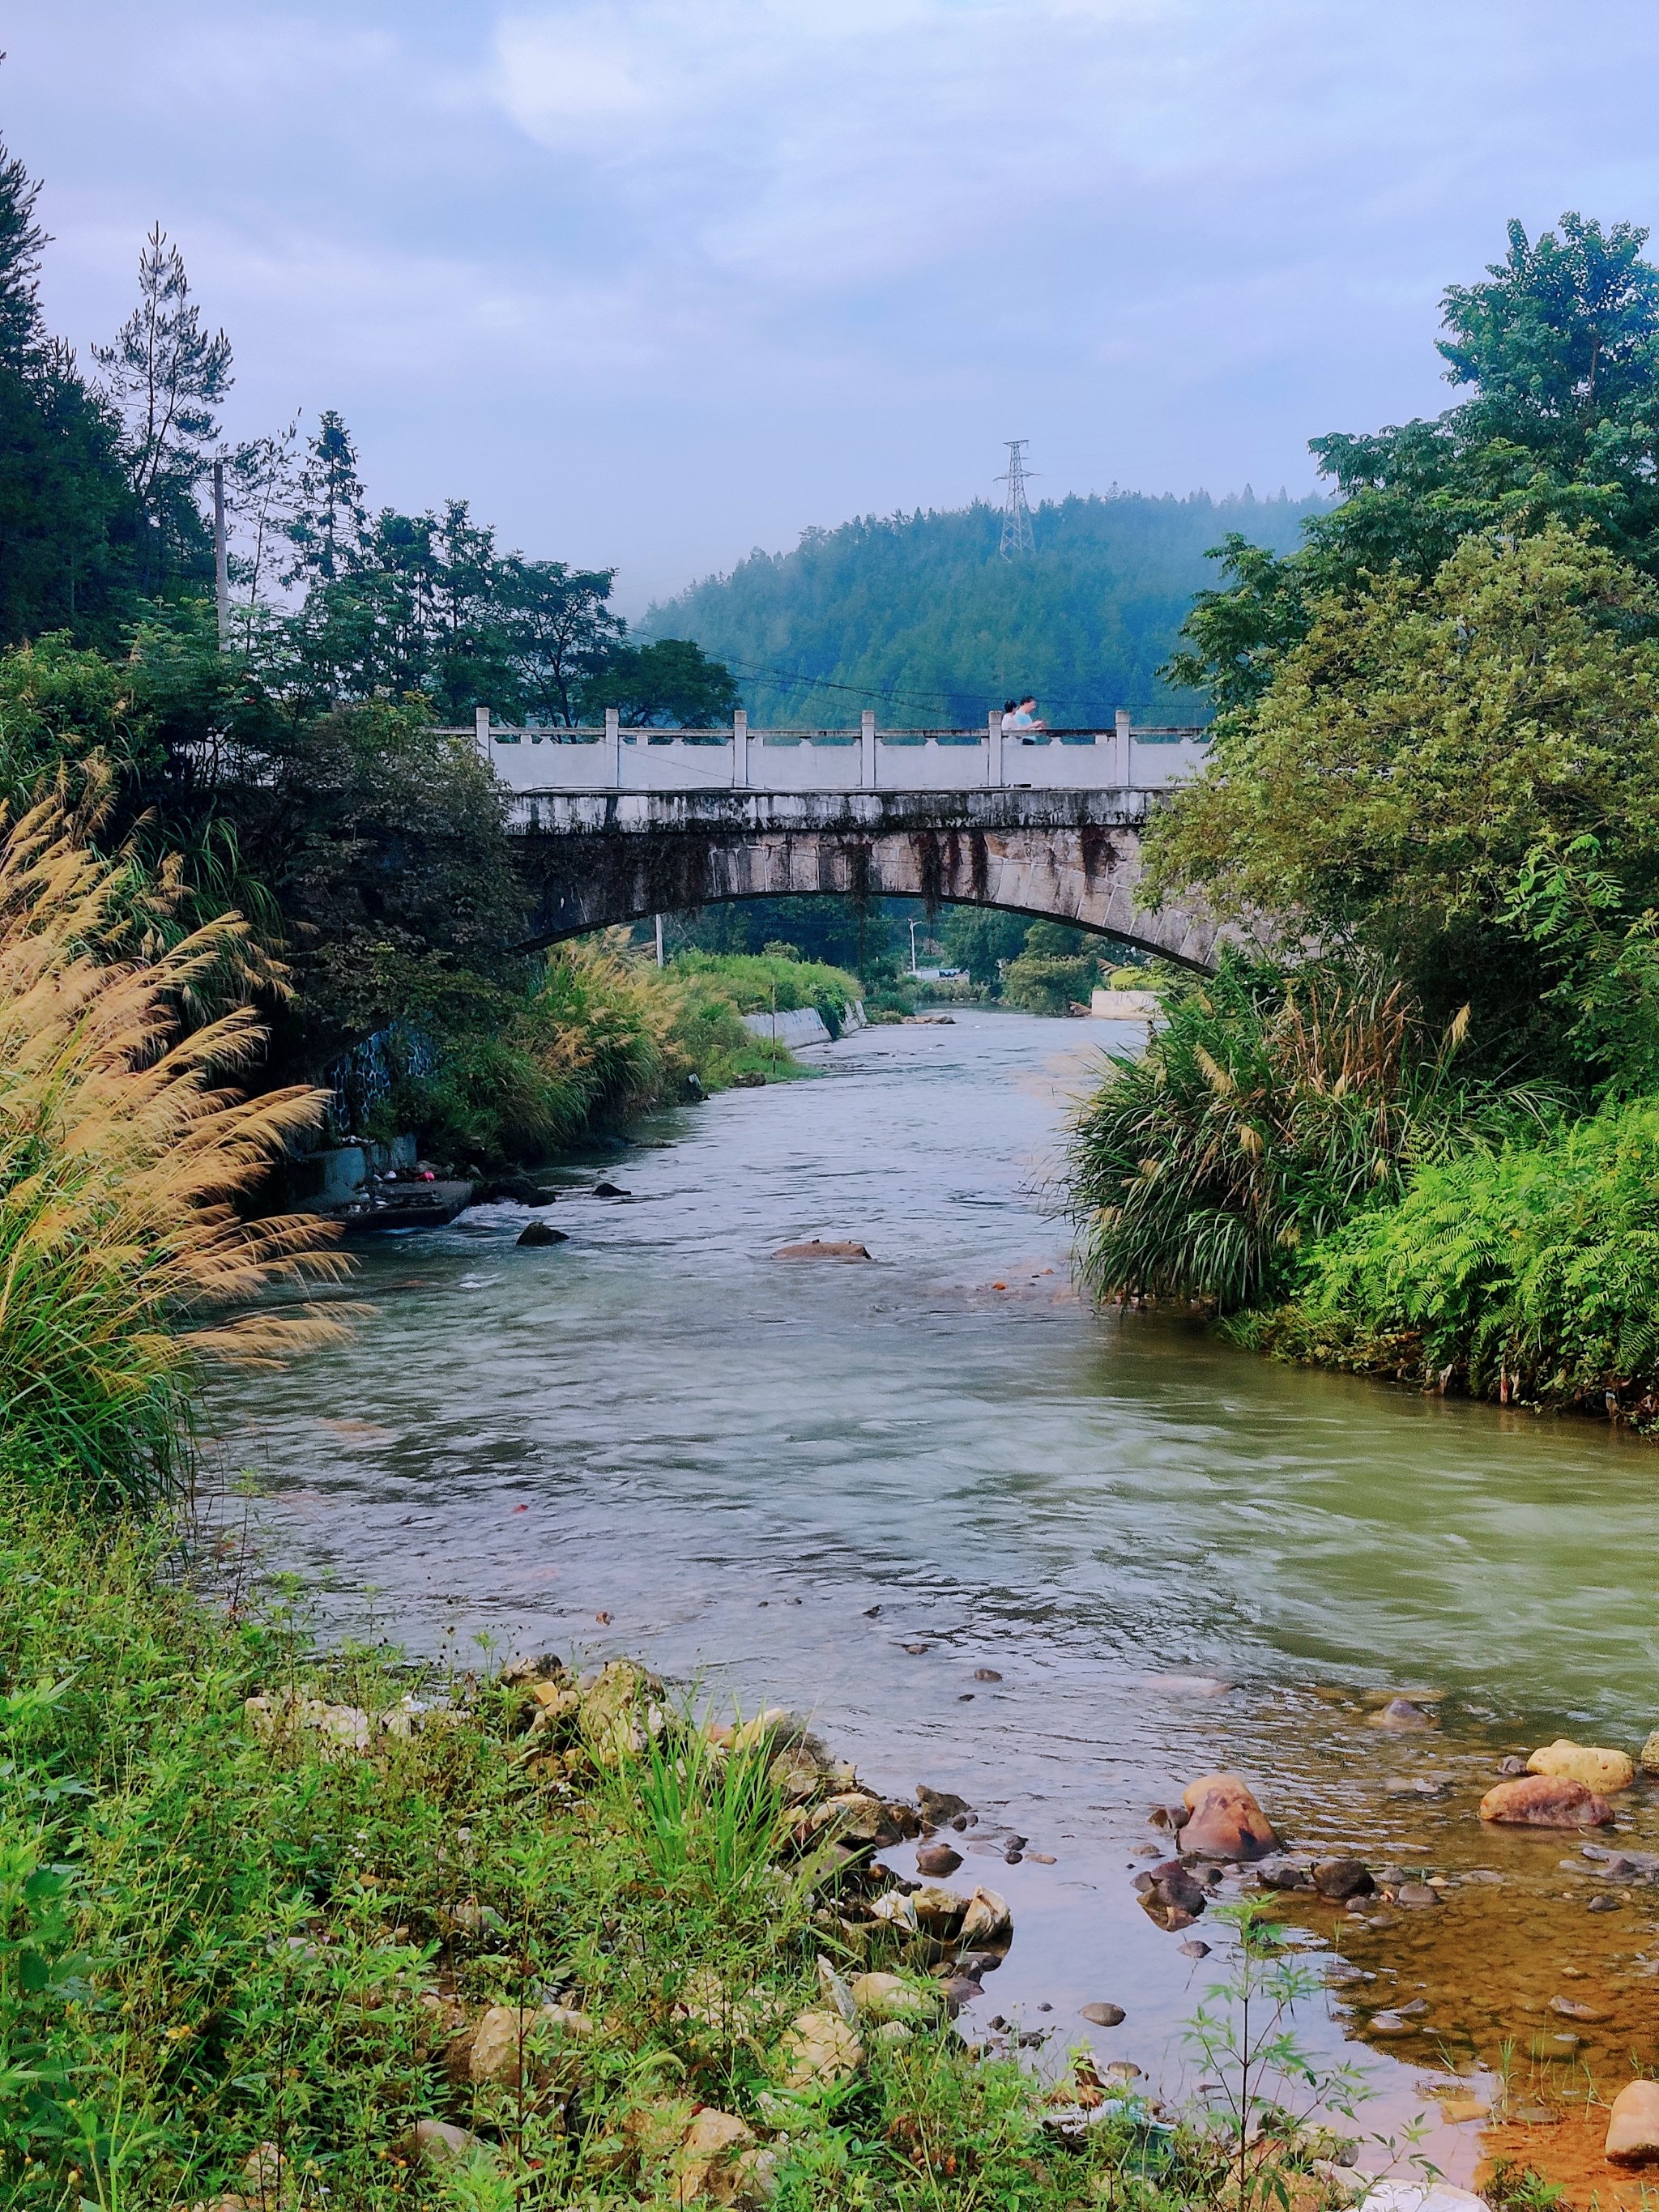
{"points": [[125, 1268]]}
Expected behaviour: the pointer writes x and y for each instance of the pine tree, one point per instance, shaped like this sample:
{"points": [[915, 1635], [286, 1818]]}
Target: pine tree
{"points": [[22, 242], [64, 508], [164, 376], [330, 528]]}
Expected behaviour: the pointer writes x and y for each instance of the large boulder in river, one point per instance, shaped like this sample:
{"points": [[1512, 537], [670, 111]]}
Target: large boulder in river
{"points": [[822, 1248], [1634, 2124], [1595, 1768], [1224, 1821], [1545, 1801]]}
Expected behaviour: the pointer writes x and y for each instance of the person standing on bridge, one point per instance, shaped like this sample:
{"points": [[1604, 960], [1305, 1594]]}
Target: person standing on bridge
{"points": [[1021, 720]]}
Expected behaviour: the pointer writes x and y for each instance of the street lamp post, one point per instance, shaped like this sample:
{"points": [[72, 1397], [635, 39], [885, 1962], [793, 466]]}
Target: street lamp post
{"points": [[913, 948]]}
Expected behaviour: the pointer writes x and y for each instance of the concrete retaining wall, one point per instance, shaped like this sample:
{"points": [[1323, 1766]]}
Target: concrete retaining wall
{"points": [[803, 1025]]}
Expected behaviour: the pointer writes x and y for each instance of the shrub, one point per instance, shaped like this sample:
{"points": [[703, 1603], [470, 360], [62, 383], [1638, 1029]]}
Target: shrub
{"points": [[1529, 1272], [1265, 1110], [755, 982], [121, 1158]]}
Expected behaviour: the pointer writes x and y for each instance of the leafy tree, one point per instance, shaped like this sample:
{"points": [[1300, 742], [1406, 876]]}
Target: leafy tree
{"points": [[980, 939], [166, 378], [672, 684], [560, 633], [1392, 784], [1559, 351]]}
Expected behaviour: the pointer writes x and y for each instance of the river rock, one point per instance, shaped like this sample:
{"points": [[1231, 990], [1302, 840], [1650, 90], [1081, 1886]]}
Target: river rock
{"points": [[1401, 1713], [938, 1859], [1649, 1760], [1278, 1873], [1170, 1894], [1634, 2124], [890, 1997], [707, 2169], [609, 1190], [1420, 2197], [1224, 1821], [536, 1233], [820, 1248], [1102, 2015], [440, 2142], [1342, 1879], [1570, 2008], [939, 1806], [1417, 1894], [987, 1919], [1545, 1801], [500, 2045], [1595, 1767], [819, 2050]]}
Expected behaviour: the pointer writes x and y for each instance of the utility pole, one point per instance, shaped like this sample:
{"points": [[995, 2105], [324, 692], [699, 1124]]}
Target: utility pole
{"points": [[220, 557], [660, 958], [1016, 533]]}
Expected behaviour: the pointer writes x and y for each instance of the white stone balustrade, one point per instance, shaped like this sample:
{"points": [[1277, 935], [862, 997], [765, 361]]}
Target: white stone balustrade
{"points": [[610, 758]]}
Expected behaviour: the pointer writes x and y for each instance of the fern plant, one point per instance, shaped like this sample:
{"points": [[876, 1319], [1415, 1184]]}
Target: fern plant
{"points": [[1528, 1273]]}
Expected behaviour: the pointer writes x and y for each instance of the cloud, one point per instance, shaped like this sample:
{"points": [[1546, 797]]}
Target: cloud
{"points": [[655, 279]]}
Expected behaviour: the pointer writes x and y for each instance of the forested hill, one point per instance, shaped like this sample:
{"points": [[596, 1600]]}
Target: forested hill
{"points": [[917, 617]]}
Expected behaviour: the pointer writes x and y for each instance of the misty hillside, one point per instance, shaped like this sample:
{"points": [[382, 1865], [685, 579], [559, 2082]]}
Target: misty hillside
{"points": [[918, 616]]}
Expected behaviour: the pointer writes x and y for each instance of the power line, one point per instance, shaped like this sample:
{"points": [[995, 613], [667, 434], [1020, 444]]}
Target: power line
{"points": [[798, 678]]}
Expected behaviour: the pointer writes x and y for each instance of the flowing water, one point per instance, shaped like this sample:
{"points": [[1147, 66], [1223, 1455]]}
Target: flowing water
{"points": [[1056, 1562]]}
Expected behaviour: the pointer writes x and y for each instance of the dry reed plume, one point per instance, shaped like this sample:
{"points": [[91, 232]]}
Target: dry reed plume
{"points": [[123, 1262]]}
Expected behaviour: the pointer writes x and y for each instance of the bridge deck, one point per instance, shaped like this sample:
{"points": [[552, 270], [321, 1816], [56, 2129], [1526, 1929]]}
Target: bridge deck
{"points": [[544, 762]]}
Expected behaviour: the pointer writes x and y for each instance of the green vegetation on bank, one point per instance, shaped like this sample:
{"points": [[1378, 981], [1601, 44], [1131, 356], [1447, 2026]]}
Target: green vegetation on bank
{"points": [[775, 981], [282, 1930], [1429, 1150], [595, 1034]]}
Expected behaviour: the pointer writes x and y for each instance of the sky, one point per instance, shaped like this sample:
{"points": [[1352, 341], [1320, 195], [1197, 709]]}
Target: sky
{"points": [[654, 282]]}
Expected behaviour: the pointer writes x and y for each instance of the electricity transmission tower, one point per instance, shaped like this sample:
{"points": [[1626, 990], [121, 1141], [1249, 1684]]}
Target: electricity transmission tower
{"points": [[1016, 536]]}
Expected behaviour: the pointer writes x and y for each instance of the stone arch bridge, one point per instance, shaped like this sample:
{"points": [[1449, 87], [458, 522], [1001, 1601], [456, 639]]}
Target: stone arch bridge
{"points": [[613, 826], [592, 860]]}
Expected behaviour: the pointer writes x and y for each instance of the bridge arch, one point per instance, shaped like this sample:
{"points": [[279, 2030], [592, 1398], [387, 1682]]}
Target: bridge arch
{"points": [[591, 859]]}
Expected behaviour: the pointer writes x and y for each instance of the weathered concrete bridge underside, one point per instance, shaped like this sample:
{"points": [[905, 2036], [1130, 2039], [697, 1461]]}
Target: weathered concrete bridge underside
{"points": [[593, 859]]}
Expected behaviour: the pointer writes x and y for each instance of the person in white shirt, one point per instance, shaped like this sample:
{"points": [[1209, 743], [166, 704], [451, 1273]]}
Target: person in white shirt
{"points": [[1022, 722]]}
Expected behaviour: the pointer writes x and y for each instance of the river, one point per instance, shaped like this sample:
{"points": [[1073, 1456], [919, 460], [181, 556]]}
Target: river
{"points": [[858, 1489]]}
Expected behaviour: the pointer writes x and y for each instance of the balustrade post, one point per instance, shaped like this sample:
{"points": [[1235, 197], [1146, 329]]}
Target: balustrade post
{"points": [[993, 745], [610, 766], [481, 730], [867, 749], [1126, 756], [740, 750]]}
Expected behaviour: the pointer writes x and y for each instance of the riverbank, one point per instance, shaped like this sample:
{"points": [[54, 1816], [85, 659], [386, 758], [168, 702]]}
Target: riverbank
{"points": [[277, 1929]]}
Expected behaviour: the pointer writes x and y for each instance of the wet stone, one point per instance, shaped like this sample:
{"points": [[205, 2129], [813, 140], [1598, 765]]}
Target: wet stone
{"points": [[1102, 2015], [937, 1859]]}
